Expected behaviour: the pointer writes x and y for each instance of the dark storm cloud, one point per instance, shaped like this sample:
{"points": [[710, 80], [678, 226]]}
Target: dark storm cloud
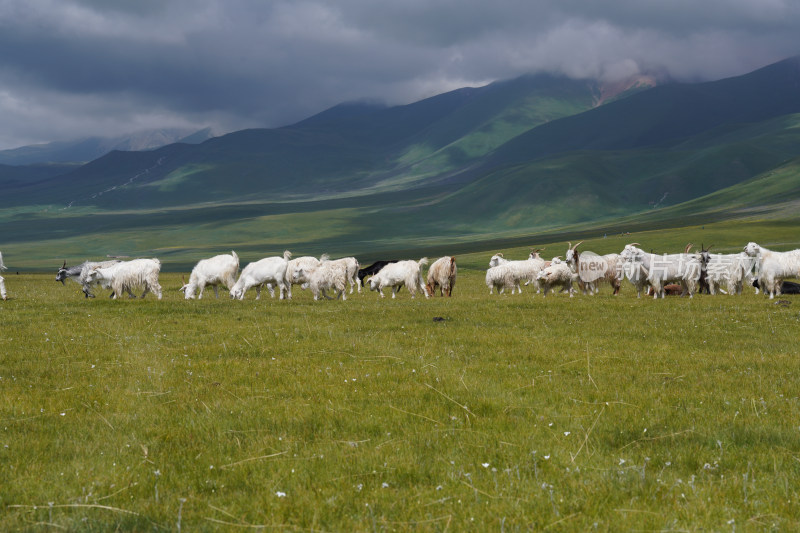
{"points": [[70, 68]]}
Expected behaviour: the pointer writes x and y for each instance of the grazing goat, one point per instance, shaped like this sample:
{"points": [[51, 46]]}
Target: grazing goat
{"points": [[268, 270], [684, 268], [526, 270], [501, 277], [442, 274], [731, 269], [328, 275], [305, 262], [220, 269], [558, 274], [593, 269], [351, 266], [373, 269], [80, 274], [125, 276], [395, 275], [3, 293], [636, 274], [774, 267]]}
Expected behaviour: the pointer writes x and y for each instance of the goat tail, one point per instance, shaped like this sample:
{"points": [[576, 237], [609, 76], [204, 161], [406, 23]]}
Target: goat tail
{"points": [[287, 255], [2, 266], [423, 261]]}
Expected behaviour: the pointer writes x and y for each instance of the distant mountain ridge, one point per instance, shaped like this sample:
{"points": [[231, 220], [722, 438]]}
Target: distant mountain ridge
{"points": [[91, 148]]}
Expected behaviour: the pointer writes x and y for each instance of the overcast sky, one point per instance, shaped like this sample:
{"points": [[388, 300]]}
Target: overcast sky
{"points": [[74, 68]]}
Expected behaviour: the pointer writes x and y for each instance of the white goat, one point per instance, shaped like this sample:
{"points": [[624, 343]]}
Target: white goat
{"points": [[731, 269], [351, 267], [328, 275], [526, 270], [537, 264], [442, 274], [557, 274], [502, 277], [395, 275], [220, 269], [774, 267], [307, 263], [3, 293], [684, 268], [635, 271], [80, 274], [127, 275], [593, 269], [270, 270]]}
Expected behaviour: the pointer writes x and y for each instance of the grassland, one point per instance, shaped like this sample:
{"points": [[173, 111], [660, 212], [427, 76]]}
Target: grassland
{"points": [[512, 413]]}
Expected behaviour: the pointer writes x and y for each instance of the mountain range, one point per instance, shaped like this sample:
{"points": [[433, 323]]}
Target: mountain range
{"points": [[90, 148], [535, 155]]}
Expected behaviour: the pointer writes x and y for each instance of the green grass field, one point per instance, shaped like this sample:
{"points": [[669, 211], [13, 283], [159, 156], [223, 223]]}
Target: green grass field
{"points": [[513, 413]]}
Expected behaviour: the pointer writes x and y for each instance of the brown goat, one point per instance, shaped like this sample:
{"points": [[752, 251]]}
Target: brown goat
{"points": [[442, 274]]}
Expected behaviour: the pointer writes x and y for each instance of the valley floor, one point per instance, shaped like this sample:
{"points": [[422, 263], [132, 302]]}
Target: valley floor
{"points": [[511, 413]]}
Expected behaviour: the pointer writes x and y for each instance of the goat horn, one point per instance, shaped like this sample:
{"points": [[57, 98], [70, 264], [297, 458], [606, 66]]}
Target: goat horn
{"points": [[65, 264], [569, 246], [688, 247], [576, 246], [500, 254], [709, 248], [634, 244]]}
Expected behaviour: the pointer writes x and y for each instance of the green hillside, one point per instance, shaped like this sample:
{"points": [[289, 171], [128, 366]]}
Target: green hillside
{"points": [[529, 157]]}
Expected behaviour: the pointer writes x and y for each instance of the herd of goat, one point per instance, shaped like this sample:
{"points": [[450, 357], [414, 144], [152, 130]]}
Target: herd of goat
{"points": [[658, 274]]}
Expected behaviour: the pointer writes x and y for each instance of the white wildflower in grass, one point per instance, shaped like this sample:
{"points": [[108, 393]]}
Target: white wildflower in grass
{"points": [[566, 433], [547, 456], [280, 494], [485, 465], [384, 485]]}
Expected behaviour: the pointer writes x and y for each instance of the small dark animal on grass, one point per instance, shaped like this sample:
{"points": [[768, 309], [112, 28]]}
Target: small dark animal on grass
{"points": [[787, 287], [373, 269], [672, 289]]}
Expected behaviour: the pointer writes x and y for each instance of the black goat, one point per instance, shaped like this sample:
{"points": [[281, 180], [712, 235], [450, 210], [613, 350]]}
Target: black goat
{"points": [[787, 287]]}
